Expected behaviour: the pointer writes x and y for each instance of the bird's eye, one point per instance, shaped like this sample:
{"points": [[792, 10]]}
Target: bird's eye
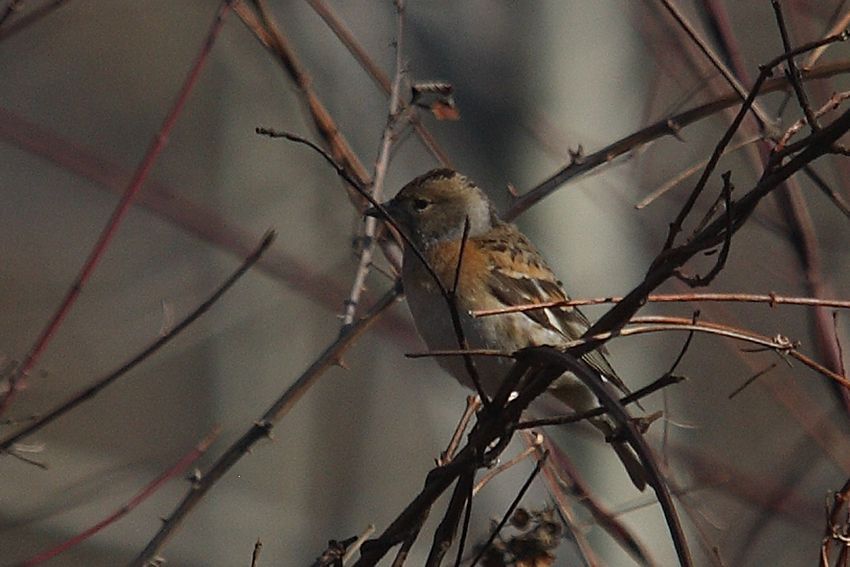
{"points": [[421, 204]]}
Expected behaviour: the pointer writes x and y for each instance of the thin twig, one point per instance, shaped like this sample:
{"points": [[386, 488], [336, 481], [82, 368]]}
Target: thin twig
{"points": [[510, 509], [472, 405], [381, 164], [380, 78], [833, 103], [454, 311], [682, 176], [838, 26], [255, 555], [719, 149], [360, 188], [140, 497], [513, 461], [833, 195], [667, 379], [838, 347], [145, 165], [654, 324], [772, 299], [670, 126], [561, 478], [464, 533], [751, 379], [27, 19], [720, 263], [267, 31], [793, 71], [715, 60], [555, 485], [778, 343], [355, 547], [94, 389]]}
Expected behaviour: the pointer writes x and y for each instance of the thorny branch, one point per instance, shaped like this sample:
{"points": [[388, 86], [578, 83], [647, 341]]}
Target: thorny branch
{"points": [[772, 299], [655, 324], [140, 497], [262, 428], [359, 53], [388, 138], [666, 127], [713, 233], [665, 265]]}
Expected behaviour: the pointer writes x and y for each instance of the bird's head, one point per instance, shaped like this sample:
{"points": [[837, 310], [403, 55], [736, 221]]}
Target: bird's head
{"points": [[435, 207]]}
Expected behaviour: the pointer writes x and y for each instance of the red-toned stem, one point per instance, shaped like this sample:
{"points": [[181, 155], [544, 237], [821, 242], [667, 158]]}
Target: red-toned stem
{"points": [[771, 299], [118, 214], [140, 497]]}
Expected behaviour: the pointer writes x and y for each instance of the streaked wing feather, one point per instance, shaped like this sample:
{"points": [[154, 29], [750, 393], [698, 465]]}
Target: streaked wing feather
{"points": [[569, 322]]}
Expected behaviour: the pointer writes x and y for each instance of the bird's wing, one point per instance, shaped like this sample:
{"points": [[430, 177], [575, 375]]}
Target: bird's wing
{"points": [[521, 277]]}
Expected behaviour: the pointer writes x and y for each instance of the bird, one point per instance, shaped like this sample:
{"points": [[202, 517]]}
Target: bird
{"points": [[438, 212]]}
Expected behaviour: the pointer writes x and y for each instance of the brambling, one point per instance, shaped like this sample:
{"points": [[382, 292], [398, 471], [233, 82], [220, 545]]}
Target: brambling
{"points": [[499, 268]]}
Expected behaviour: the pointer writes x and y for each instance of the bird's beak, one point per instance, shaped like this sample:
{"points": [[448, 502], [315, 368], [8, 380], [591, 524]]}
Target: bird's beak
{"points": [[376, 212]]}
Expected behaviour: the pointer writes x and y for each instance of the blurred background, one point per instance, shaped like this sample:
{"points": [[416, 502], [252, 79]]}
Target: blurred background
{"points": [[84, 90]]}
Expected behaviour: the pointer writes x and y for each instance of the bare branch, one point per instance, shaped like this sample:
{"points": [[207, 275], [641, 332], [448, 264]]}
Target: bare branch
{"points": [[263, 427], [381, 163], [140, 497], [378, 76], [793, 71], [772, 299], [665, 127], [94, 389], [118, 214]]}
